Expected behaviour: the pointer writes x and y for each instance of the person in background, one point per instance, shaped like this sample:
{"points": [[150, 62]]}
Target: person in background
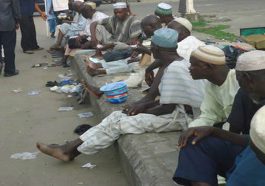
{"points": [[9, 22], [51, 18], [164, 12], [28, 31]]}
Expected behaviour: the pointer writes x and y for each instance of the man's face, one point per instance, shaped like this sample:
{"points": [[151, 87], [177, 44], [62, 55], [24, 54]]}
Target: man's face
{"points": [[121, 14], [148, 30], [252, 86], [198, 69], [87, 13]]}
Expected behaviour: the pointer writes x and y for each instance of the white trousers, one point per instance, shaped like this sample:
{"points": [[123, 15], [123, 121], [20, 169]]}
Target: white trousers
{"points": [[117, 123]]}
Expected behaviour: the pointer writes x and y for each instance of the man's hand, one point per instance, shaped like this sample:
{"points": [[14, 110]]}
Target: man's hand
{"points": [[43, 16], [197, 132], [17, 26], [149, 77], [134, 109]]}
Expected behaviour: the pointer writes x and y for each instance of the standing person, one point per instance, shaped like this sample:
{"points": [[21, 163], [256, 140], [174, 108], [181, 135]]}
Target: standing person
{"points": [[51, 17], [27, 26], [9, 22]]}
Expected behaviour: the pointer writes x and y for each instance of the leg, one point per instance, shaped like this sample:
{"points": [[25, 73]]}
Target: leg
{"points": [[25, 33], [59, 40], [92, 89], [33, 36], [9, 44], [202, 163], [116, 124]]}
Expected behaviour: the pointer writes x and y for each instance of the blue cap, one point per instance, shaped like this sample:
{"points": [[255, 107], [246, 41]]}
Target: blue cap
{"points": [[165, 37]]}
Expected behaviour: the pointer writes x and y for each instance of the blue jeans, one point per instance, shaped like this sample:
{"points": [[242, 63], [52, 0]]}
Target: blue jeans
{"points": [[115, 55], [52, 25]]}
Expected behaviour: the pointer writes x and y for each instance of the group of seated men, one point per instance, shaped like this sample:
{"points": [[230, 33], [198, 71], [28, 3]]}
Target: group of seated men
{"points": [[192, 91]]}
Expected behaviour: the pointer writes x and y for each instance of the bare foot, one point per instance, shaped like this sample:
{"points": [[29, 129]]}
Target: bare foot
{"points": [[98, 54], [92, 90], [91, 71], [56, 151]]}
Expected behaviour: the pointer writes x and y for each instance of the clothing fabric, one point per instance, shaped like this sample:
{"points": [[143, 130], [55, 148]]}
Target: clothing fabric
{"points": [[52, 25], [247, 171], [180, 86], [27, 7], [115, 55], [8, 41], [60, 5], [97, 16], [9, 14], [118, 123], [187, 46], [217, 102], [205, 160], [78, 25], [28, 33], [49, 10], [118, 31], [242, 112]]}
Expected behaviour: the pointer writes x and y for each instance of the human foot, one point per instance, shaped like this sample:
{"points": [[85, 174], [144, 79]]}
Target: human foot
{"points": [[92, 90], [57, 151]]}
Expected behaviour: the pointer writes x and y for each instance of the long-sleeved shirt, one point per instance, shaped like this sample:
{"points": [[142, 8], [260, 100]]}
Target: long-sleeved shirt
{"points": [[9, 14], [217, 102]]}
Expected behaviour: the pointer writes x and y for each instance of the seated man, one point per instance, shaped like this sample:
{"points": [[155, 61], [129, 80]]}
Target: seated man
{"points": [[67, 30], [115, 33], [208, 62], [207, 152], [82, 41], [186, 44], [149, 24], [150, 116], [164, 12]]}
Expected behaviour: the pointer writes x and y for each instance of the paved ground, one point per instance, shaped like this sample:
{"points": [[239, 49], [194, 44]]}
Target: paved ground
{"points": [[25, 119], [244, 13]]}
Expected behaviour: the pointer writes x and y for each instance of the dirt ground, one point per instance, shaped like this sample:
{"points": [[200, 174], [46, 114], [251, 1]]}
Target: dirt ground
{"points": [[24, 120]]}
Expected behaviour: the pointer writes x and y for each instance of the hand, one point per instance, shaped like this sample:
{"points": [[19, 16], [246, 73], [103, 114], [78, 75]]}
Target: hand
{"points": [[94, 42], [136, 109], [197, 132], [149, 77], [43, 16], [17, 26]]}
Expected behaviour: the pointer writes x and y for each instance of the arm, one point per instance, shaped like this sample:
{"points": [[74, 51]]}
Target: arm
{"points": [[201, 132], [161, 109], [149, 74], [16, 12], [42, 14], [93, 28], [211, 111]]}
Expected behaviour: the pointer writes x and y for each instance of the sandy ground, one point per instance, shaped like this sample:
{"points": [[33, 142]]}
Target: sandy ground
{"points": [[26, 119]]}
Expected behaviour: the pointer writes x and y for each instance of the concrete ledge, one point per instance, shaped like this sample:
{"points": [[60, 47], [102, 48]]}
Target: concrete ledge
{"points": [[148, 159]]}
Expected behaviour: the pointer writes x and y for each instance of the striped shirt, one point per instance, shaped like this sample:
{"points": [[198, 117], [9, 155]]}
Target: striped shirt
{"points": [[178, 87], [122, 31]]}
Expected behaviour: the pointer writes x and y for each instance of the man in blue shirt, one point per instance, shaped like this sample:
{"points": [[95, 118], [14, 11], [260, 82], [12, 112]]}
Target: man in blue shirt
{"points": [[207, 151], [27, 26]]}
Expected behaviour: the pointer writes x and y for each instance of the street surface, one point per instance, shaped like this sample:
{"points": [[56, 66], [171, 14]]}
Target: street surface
{"points": [[24, 119]]}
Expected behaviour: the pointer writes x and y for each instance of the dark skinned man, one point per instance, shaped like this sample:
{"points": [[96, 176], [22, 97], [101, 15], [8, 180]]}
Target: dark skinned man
{"points": [[157, 115], [237, 157]]}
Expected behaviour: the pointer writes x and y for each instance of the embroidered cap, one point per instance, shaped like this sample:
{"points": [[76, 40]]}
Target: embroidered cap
{"points": [[210, 54], [251, 61], [163, 9], [165, 37]]}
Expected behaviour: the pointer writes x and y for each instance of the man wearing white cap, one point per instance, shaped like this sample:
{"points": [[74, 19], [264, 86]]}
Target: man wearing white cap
{"points": [[208, 62], [207, 151], [165, 114], [67, 30], [117, 31], [164, 12], [186, 43], [82, 41]]}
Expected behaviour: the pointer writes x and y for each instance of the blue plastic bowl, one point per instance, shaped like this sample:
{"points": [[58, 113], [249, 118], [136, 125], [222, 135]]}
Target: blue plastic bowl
{"points": [[117, 100], [114, 89]]}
